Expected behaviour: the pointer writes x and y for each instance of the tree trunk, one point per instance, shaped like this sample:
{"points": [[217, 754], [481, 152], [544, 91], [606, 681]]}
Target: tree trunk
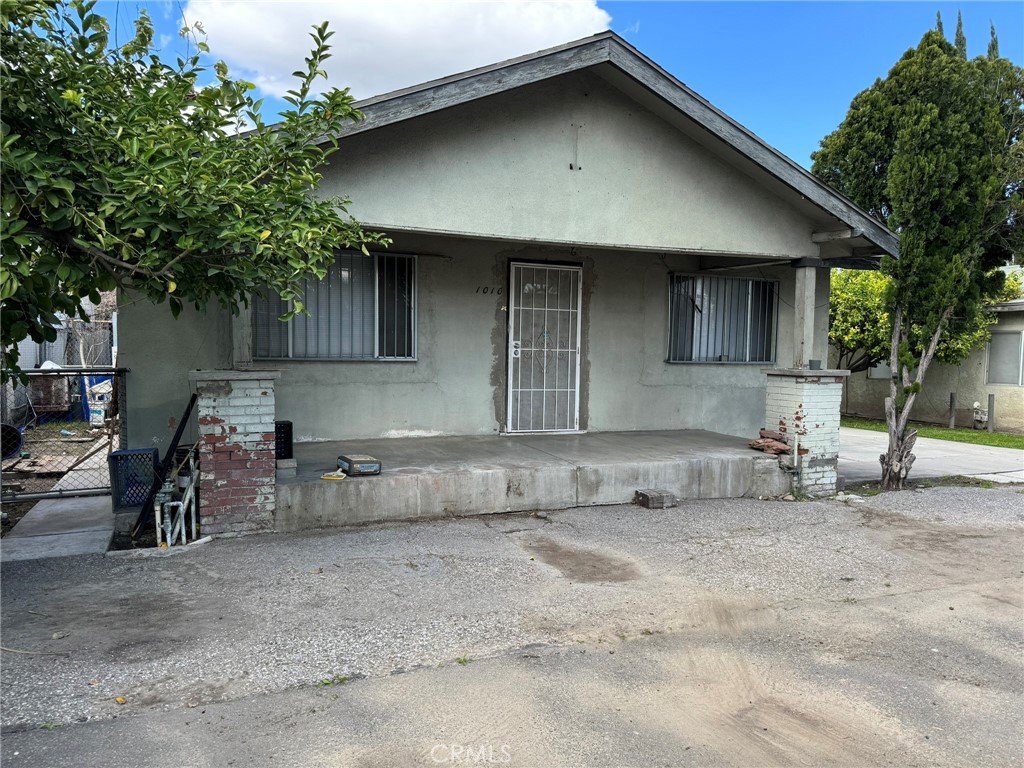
{"points": [[898, 460]]}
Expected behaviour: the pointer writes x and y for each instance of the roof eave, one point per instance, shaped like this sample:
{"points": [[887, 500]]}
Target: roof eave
{"points": [[607, 47]]}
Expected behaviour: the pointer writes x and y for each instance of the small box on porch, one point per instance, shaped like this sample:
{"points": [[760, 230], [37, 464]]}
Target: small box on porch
{"points": [[358, 464]]}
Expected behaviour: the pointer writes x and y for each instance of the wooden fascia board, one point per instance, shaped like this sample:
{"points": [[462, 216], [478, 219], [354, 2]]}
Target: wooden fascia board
{"points": [[479, 84], [666, 87]]}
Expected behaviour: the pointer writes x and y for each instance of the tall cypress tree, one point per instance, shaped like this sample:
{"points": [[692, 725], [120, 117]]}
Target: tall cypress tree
{"points": [[960, 41], [934, 151], [993, 42]]}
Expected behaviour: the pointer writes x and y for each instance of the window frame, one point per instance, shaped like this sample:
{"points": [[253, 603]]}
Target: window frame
{"points": [[773, 341], [377, 357], [1020, 360]]}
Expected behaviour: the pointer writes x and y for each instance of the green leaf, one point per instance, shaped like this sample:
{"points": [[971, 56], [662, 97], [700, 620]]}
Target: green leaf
{"points": [[99, 160]]}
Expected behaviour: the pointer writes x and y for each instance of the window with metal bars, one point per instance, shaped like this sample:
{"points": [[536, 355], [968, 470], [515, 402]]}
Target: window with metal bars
{"points": [[363, 309], [722, 319]]}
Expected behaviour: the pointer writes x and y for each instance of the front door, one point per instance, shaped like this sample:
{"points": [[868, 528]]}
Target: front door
{"points": [[544, 348]]}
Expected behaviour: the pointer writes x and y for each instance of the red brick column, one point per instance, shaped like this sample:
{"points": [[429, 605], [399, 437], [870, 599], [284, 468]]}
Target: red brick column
{"points": [[237, 464]]}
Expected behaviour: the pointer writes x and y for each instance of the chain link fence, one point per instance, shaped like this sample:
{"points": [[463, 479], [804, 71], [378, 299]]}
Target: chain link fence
{"points": [[57, 427]]}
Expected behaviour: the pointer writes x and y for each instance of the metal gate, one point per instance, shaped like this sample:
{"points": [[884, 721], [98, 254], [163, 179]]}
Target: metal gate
{"points": [[544, 323], [58, 427]]}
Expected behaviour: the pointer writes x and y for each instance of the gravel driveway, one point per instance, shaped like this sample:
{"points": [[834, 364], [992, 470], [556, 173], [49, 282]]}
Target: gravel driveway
{"points": [[734, 632]]}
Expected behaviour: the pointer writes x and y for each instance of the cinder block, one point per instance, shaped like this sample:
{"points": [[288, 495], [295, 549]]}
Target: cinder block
{"points": [[652, 498]]}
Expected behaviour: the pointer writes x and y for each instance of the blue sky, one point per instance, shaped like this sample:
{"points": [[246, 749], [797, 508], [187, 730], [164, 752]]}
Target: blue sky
{"points": [[787, 71]]}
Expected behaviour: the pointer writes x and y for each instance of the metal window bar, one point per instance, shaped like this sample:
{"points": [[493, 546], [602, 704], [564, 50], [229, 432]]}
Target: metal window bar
{"points": [[722, 319], [364, 309]]}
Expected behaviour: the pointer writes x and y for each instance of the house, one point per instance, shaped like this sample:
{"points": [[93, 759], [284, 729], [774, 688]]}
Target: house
{"points": [[582, 244], [994, 369]]}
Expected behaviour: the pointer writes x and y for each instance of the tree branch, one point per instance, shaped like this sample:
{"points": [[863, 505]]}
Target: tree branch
{"points": [[68, 243]]}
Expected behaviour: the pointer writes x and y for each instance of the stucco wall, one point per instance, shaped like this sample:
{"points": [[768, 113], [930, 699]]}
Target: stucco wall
{"points": [[160, 350], [866, 397], [500, 167], [457, 385]]}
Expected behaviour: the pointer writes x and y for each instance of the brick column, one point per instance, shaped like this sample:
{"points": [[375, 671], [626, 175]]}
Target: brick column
{"points": [[804, 406], [237, 465]]}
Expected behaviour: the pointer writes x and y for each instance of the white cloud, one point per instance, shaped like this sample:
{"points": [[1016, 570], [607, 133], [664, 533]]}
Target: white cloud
{"points": [[381, 45]]}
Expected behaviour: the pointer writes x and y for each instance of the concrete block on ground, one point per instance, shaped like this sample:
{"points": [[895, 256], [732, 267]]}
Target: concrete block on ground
{"points": [[653, 498], [769, 479]]}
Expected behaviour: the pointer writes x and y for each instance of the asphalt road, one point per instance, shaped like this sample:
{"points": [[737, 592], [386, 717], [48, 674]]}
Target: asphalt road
{"points": [[742, 633]]}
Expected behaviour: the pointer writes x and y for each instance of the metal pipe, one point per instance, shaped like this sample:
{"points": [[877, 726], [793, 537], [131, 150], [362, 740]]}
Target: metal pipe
{"points": [[58, 494], [75, 371], [991, 424]]}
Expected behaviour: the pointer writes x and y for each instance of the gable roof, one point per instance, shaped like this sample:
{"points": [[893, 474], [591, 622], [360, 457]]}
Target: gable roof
{"points": [[626, 67]]}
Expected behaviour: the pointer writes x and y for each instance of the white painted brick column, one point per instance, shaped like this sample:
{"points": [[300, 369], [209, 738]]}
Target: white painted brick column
{"points": [[804, 406], [237, 483]]}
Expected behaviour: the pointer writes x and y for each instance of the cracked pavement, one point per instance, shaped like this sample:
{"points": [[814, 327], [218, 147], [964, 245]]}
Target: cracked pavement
{"points": [[729, 632]]}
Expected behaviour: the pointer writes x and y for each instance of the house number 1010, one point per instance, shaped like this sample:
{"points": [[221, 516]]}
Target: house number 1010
{"points": [[486, 289]]}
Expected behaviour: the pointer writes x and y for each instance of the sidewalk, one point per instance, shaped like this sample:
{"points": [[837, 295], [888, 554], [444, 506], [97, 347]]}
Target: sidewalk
{"points": [[859, 450], [61, 528]]}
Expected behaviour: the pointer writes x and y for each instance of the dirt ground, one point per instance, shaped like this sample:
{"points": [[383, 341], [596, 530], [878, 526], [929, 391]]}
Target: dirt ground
{"points": [[887, 631]]}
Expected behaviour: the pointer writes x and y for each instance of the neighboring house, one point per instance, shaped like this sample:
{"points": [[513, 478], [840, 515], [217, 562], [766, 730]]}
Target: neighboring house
{"points": [[994, 369], [581, 243], [78, 343]]}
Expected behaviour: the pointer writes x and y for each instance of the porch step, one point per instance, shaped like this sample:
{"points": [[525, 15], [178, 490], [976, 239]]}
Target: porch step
{"points": [[530, 475]]}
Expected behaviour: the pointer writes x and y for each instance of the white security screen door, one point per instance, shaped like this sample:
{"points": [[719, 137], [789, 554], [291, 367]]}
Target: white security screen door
{"points": [[544, 348]]}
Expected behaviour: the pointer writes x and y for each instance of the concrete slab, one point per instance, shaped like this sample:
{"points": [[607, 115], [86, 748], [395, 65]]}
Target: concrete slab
{"points": [[859, 450], [61, 528], [54, 545], [72, 515], [446, 476]]}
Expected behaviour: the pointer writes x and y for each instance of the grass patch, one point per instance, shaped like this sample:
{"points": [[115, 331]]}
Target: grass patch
{"points": [[973, 436], [463, 660], [954, 480], [329, 681], [874, 487]]}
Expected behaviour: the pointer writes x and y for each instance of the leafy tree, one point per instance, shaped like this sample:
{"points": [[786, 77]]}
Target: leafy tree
{"points": [[858, 327], [860, 331], [120, 171], [934, 151]]}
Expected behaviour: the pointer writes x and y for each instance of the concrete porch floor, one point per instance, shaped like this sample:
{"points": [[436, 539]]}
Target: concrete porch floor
{"points": [[453, 476]]}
